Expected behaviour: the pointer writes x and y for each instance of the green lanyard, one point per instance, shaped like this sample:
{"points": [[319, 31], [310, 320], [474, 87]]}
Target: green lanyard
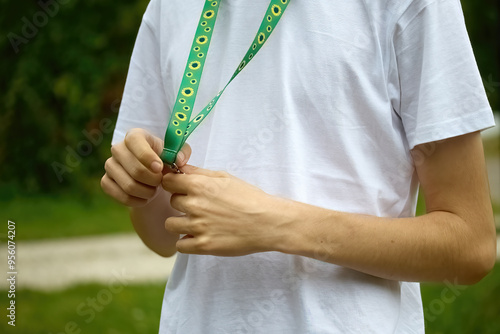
{"points": [[180, 127]]}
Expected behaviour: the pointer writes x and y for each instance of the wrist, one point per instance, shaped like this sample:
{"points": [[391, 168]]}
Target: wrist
{"points": [[302, 229], [280, 219]]}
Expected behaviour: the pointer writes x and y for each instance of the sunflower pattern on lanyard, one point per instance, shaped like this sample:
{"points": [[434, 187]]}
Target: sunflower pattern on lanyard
{"points": [[179, 123]]}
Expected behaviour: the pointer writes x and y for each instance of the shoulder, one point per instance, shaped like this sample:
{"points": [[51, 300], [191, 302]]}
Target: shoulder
{"points": [[428, 12]]}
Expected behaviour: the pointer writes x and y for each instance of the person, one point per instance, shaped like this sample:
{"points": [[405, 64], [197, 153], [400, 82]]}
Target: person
{"points": [[296, 212]]}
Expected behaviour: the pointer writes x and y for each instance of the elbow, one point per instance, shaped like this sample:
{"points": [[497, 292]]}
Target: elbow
{"points": [[481, 260], [161, 249], [165, 253]]}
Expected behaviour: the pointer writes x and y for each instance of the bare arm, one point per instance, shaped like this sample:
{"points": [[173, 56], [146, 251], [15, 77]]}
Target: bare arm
{"points": [[149, 223], [455, 240]]}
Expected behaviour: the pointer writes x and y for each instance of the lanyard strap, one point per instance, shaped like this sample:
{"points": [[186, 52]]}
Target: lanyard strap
{"points": [[180, 127]]}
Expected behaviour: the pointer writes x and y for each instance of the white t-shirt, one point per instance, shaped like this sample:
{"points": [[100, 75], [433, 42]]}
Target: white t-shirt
{"points": [[325, 114]]}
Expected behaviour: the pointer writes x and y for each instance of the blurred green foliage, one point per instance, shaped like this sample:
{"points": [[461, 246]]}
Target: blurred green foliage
{"points": [[64, 79], [483, 24], [63, 71]]}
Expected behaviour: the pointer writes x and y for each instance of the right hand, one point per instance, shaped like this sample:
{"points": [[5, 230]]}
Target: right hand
{"points": [[134, 172]]}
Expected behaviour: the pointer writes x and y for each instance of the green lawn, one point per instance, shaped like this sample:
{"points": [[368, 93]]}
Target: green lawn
{"points": [[136, 309], [463, 309], [133, 310], [44, 216]]}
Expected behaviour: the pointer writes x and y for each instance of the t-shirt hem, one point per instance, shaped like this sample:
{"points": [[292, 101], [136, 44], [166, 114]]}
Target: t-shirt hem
{"points": [[477, 121]]}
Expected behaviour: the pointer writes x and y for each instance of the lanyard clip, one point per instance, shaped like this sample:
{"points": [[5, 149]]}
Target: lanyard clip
{"points": [[169, 155], [176, 169]]}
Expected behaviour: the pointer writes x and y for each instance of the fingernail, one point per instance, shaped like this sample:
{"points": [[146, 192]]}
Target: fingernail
{"points": [[156, 166], [180, 157]]}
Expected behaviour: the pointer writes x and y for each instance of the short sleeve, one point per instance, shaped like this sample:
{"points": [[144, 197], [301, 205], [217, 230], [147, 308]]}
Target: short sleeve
{"points": [[144, 104], [441, 91]]}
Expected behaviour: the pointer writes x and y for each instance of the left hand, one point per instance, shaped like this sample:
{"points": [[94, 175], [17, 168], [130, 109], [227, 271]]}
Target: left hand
{"points": [[224, 215]]}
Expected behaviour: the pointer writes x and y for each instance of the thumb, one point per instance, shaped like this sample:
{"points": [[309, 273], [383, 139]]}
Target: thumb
{"points": [[183, 155], [146, 148]]}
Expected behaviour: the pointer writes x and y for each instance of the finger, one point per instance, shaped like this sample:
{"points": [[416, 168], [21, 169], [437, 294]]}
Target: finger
{"points": [[110, 187], [134, 167], [130, 186], [178, 202], [195, 184], [176, 183], [189, 245], [183, 155], [146, 148], [178, 225], [190, 169]]}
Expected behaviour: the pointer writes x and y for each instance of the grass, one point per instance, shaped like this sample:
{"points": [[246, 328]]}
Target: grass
{"points": [[466, 309], [134, 310], [57, 216]]}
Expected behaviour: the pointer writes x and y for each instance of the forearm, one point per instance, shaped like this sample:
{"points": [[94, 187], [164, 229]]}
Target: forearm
{"points": [[434, 247], [455, 240], [149, 223]]}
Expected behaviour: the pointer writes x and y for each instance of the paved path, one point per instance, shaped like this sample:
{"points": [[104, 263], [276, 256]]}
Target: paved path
{"points": [[58, 264], [54, 265], [498, 248], [493, 166]]}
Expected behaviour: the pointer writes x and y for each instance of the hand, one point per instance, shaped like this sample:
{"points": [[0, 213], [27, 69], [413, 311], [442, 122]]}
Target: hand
{"points": [[134, 172], [224, 215]]}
